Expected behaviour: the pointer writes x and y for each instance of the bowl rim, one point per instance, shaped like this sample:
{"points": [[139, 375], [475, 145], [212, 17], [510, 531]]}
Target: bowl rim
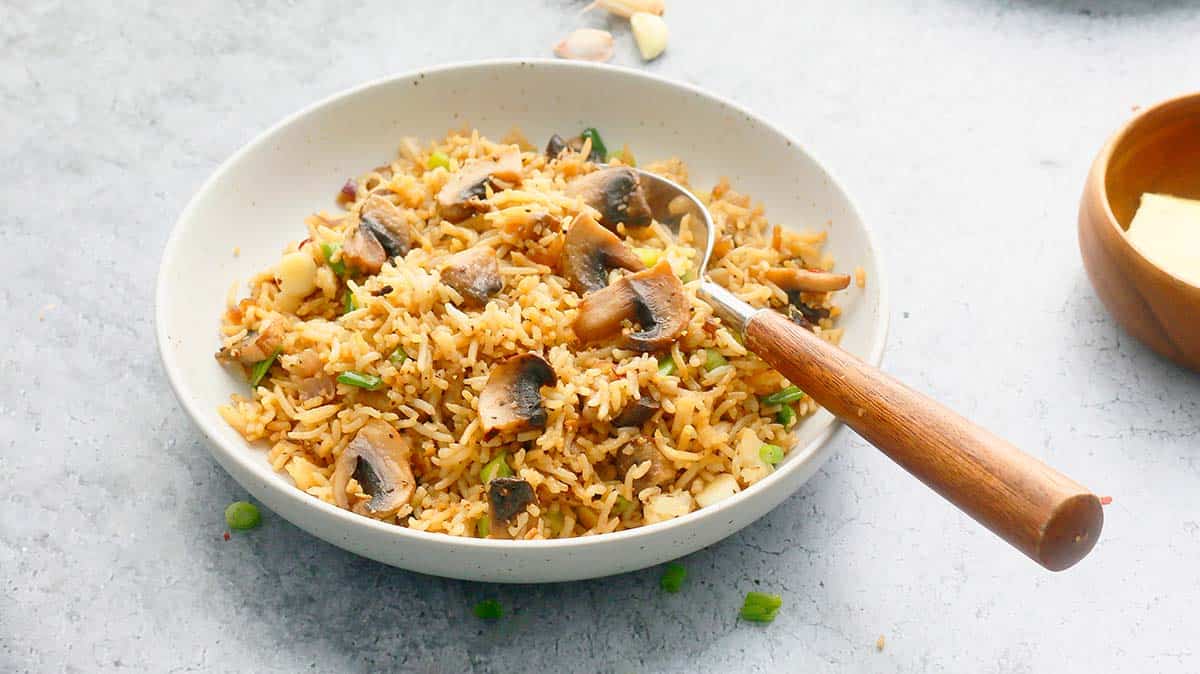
{"points": [[251, 461], [1099, 176]]}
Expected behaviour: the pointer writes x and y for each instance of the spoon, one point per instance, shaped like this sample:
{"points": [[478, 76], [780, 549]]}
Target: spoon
{"points": [[1041, 512]]}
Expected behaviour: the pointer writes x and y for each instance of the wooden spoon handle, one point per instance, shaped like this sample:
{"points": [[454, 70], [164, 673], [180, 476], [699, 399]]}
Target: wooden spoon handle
{"points": [[1041, 512]]}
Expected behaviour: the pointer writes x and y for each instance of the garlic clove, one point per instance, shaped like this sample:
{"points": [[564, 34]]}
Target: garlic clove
{"points": [[650, 33], [586, 44], [627, 8]]}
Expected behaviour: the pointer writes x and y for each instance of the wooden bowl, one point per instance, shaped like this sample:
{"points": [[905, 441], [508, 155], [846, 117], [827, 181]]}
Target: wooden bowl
{"points": [[1156, 151]]}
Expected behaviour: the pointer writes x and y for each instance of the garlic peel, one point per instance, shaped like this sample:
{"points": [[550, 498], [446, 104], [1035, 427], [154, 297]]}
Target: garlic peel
{"points": [[650, 33], [586, 44]]}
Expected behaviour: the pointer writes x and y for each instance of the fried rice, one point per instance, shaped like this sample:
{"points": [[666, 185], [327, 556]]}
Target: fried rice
{"points": [[371, 386]]}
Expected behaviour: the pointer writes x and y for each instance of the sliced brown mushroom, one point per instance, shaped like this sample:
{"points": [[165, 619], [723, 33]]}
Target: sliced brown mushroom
{"points": [[807, 280], [636, 412], [462, 195], [387, 224], [512, 398], [590, 252], [256, 346], [616, 193], [507, 497], [654, 298], [556, 145], [638, 452], [377, 458], [474, 273], [362, 251]]}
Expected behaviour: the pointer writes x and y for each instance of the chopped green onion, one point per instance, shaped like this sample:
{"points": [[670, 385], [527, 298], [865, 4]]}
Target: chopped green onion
{"points": [[624, 155], [649, 256], [554, 520], [666, 365], [598, 148], [673, 577], [786, 416], [350, 302], [623, 505], [329, 250], [488, 609], [398, 357], [438, 159], [788, 395], [761, 607], [713, 359], [771, 454], [483, 527], [495, 468], [242, 515], [260, 369], [688, 276], [370, 382]]}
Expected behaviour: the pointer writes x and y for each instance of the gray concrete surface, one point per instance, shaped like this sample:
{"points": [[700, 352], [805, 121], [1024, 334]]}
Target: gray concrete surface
{"points": [[963, 127]]}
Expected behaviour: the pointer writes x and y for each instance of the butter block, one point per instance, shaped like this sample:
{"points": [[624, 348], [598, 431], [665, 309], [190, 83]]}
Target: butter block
{"points": [[1166, 230]]}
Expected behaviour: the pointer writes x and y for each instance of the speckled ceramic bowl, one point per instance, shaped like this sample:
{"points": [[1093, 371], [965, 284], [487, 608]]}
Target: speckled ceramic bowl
{"points": [[258, 200]]}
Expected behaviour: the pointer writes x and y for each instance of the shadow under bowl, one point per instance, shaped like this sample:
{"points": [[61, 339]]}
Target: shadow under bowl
{"points": [[1156, 151]]}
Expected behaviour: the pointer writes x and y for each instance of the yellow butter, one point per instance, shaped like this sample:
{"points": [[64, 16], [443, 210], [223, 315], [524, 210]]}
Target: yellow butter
{"points": [[1166, 230]]}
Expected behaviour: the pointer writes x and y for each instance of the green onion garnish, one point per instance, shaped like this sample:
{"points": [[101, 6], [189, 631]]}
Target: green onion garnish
{"points": [[713, 359], [761, 607], [488, 609], [438, 159], [554, 521], [260, 369], [673, 577], [623, 505], [360, 379], [495, 468], [786, 416], [398, 357], [688, 276], [771, 454], [598, 148], [483, 527], [666, 365], [788, 395], [242, 515], [329, 250], [350, 302]]}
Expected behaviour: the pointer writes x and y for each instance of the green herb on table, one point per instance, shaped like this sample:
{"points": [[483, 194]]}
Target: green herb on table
{"points": [[761, 607], [370, 382], [260, 369], [489, 609], [666, 365], [786, 416], [673, 577], [495, 468], [713, 359], [438, 159], [242, 515], [788, 395], [771, 454], [329, 250], [598, 148]]}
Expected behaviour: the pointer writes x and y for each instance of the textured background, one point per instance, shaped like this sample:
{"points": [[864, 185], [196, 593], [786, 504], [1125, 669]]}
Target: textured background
{"points": [[963, 127]]}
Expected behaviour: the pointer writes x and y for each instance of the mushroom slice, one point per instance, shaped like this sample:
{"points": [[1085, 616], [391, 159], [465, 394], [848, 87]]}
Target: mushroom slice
{"points": [[463, 194], [377, 458], [387, 224], [474, 273], [639, 452], [512, 398], [555, 146], [362, 250], [616, 193], [654, 298], [507, 497], [637, 412], [590, 252], [807, 280], [257, 345]]}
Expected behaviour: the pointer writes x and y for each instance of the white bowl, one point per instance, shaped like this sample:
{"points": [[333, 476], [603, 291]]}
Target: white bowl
{"points": [[258, 199]]}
